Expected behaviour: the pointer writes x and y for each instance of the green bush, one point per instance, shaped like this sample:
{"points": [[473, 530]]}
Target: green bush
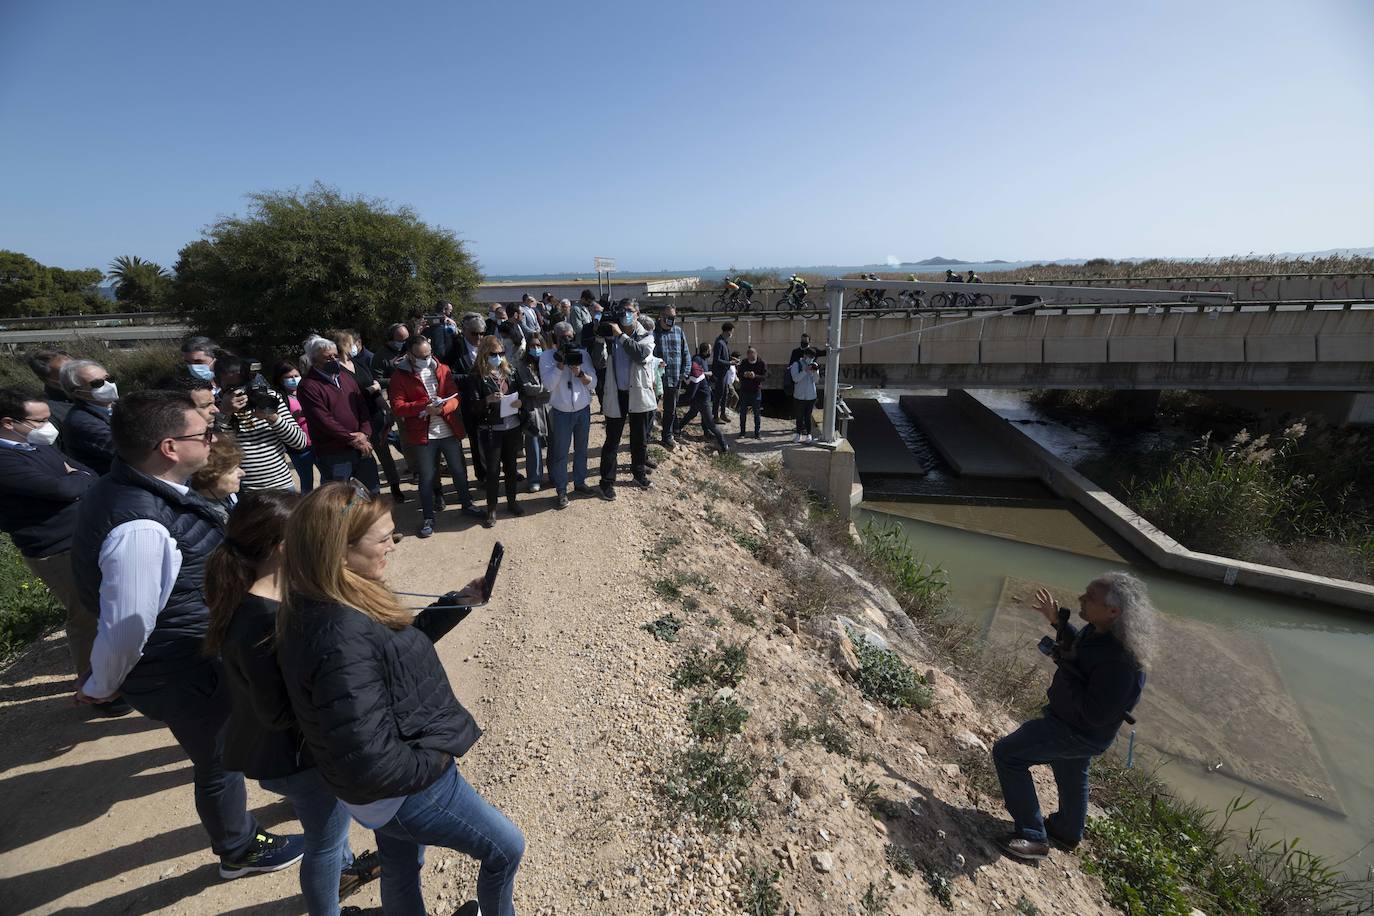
{"points": [[665, 628], [723, 668], [885, 678], [27, 608], [135, 368], [760, 896], [714, 719], [713, 785]]}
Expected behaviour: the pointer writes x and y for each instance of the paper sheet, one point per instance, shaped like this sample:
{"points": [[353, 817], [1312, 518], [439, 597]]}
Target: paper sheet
{"points": [[507, 404]]}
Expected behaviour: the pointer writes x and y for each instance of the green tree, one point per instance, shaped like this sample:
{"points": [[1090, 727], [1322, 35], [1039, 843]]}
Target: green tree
{"points": [[303, 262], [29, 289], [145, 285]]}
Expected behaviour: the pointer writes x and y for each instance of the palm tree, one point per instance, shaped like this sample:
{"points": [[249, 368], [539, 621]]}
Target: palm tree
{"points": [[144, 284]]}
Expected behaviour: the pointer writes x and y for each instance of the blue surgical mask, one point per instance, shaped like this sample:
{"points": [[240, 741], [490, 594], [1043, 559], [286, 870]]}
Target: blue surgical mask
{"points": [[536, 351], [290, 383], [494, 361], [202, 372], [627, 319]]}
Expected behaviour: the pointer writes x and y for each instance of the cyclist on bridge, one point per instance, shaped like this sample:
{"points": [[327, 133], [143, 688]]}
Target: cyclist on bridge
{"points": [[952, 277], [873, 295], [973, 278], [796, 290], [740, 286]]}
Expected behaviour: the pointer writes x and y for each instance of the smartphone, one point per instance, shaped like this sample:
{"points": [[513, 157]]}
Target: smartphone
{"points": [[493, 567]]}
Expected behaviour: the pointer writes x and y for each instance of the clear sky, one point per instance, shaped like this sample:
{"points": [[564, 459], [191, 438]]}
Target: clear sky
{"points": [[678, 135]]}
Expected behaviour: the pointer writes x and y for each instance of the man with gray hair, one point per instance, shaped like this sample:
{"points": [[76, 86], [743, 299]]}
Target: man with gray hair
{"points": [[1099, 676], [86, 434], [338, 416]]}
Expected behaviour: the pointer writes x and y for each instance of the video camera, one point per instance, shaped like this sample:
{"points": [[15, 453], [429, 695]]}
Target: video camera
{"points": [[260, 396], [610, 316], [568, 355]]}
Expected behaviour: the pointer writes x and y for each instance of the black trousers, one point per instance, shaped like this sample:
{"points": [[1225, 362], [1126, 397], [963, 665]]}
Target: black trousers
{"points": [[804, 408], [702, 404], [502, 449], [194, 704], [670, 393], [639, 440]]}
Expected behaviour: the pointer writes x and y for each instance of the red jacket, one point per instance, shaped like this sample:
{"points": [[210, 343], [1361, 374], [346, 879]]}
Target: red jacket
{"points": [[409, 398]]}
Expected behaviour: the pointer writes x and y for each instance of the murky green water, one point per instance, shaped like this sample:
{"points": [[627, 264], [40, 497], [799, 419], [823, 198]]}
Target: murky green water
{"points": [[1324, 657]]}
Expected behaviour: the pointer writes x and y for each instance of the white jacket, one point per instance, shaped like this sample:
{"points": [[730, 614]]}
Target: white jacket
{"points": [[641, 387]]}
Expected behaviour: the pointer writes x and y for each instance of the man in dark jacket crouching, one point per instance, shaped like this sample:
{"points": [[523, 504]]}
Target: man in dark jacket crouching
{"points": [[1100, 675]]}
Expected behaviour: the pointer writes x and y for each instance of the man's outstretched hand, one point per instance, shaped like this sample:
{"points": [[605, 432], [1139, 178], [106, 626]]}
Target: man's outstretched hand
{"points": [[1047, 606]]}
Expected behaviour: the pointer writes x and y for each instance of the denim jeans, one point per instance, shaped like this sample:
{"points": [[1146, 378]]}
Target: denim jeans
{"points": [[304, 463], [747, 402], [568, 428], [534, 456], [343, 465], [449, 813], [325, 821], [427, 457], [194, 704], [670, 393], [1048, 740]]}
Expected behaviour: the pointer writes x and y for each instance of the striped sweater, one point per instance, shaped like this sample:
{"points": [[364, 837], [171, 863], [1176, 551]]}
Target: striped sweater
{"points": [[266, 464]]}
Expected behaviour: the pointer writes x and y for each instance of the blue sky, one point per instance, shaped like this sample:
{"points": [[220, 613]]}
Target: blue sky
{"points": [[682, 135]]}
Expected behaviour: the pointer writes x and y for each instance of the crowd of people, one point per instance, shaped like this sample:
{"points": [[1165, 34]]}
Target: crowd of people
{"points": [[219, 541]]}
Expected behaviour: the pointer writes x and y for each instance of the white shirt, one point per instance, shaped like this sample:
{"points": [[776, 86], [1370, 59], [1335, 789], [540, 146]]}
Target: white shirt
{"points": [[139, 565], [567, 393], [438, 426]]}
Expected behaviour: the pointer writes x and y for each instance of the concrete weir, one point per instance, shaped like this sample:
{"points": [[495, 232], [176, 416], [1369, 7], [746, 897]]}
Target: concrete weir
{"points": [[878, 448], [961, 440]]}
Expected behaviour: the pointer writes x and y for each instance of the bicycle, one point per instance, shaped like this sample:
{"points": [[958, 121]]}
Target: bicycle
{"points": [[961, 300], [914, 299], [729, 301], [795, 302], [870, 299]]}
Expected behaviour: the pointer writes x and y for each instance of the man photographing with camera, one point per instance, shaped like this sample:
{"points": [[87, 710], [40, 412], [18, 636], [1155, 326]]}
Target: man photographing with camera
{"points": [[1099, 676]]}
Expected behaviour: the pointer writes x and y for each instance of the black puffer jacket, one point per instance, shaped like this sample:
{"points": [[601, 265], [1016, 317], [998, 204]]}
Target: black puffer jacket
{"points": [[374, 704]]}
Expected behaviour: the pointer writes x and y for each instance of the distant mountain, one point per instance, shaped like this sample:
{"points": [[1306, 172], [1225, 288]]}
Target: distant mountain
{"points": [[941, 262]]}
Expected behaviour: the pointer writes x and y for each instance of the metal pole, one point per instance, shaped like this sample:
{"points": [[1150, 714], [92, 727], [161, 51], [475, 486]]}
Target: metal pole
{"points": [[835, 297]]}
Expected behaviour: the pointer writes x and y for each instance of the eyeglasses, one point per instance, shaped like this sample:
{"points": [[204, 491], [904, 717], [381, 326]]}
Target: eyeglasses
{"points": [[207, 436], [360, 494]]}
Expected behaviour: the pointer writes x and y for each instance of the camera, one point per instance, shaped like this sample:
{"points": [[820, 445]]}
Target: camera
{"points": [[612, 315], [569, 355], [260, 396]]}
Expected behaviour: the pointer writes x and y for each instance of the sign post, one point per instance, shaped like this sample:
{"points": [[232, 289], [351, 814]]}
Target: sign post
{"points": [[607, 265]]}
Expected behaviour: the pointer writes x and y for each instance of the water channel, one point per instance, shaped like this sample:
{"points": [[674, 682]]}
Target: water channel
{"points": [[1265, 696]]}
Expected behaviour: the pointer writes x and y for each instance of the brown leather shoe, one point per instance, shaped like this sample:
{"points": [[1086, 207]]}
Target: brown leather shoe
{"points": [[1026, 850], [366, 867]]}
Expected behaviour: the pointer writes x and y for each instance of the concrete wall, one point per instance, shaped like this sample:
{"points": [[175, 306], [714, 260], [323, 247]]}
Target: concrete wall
{"points": [[1157, 546], [511, 291], [827, 471]]}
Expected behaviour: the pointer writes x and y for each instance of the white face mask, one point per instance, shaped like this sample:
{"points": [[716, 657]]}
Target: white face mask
{"points": [[43, 435], [352, 351], [107, 393]]}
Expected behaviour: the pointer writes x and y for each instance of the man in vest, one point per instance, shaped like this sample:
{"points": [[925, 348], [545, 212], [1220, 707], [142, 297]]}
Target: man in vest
{"points": [[142, 539]]}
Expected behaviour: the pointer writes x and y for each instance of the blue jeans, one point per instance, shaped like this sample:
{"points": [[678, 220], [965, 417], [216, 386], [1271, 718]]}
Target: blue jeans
{"points": [[534, 455], [350, 463], [748, 402], [1048, 740], [304, 463], [449, 813], [427, 457], [325, 821], [568, 429]]}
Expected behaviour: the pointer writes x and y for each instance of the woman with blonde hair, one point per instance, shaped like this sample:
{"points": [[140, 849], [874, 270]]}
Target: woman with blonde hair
{"points": [[374, 703], [219, 480], [500, 436], [262, 740]]}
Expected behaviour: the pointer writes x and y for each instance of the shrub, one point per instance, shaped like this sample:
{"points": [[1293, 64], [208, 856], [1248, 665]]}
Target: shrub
{"points": [[885, 678], [665, 628], [760, 896], [940, 886], [722, 668], [714, 719], [713, 784], [900, 860], [923, 585], [27, 608]]}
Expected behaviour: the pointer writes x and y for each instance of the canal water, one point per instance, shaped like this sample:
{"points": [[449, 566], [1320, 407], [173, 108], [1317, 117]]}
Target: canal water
{"points": [[1268, 697]]}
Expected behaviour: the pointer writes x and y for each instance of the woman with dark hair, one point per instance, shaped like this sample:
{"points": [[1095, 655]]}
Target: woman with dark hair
{"points": [[699, 398], [286, 375], [493, 379], [262, 740], [535, 396], [374, 702]]}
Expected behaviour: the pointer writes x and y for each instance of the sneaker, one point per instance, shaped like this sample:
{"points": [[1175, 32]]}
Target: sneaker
{"points": [[515, 508], [366, 867], [536, 487], [426, 528], [757, 434], [439, 504], [796, 437], [359, 911], [470, 509], [643, 482], [113, 709], [468, 909], [669, 444], [562, 501], [1022, 848], [806, 440], [606, 492], [489, 520], [267, 852], [583, 490]]}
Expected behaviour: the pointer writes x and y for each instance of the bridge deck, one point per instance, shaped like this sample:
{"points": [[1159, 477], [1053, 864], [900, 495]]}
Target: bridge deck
{"points": [[961, 441], [878, 448]]}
